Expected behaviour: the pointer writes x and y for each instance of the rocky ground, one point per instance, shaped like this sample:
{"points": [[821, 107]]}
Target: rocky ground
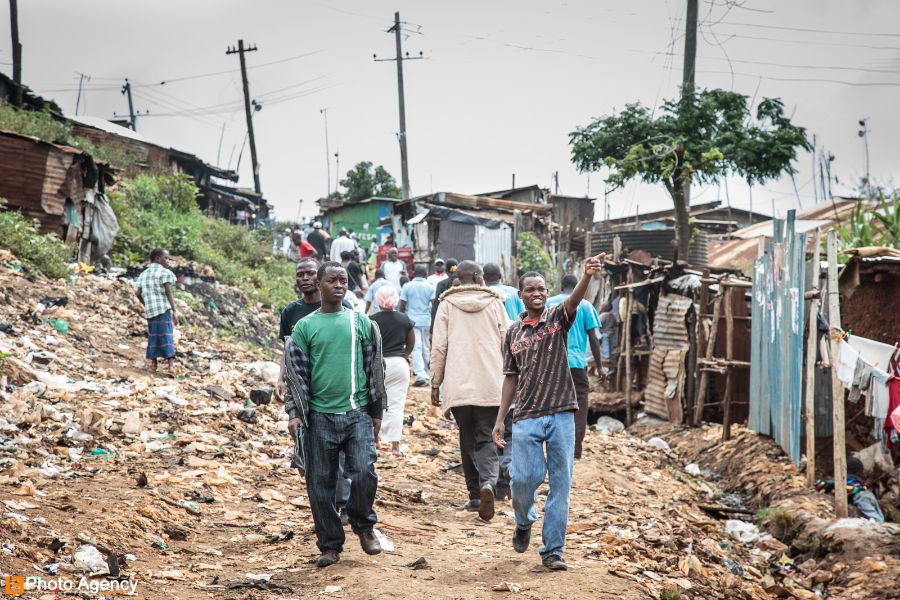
{"points": [[180, 484]]}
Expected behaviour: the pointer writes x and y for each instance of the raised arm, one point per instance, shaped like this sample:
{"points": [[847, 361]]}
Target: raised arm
{"points": [[592, 266]]}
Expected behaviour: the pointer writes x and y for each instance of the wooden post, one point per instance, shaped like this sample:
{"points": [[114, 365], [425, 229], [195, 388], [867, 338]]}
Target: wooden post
{"points": [[729, 356], [837, 388], [627, 323], [703, 387], [811, 371], [696, 344]]}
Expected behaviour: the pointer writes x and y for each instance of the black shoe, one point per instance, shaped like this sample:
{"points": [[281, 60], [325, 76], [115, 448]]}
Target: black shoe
{"points": [[521, 539], [486, 507], [554, 562], [420, 383], [328, 558], [369, 542], [472, 505], [345, 518]]}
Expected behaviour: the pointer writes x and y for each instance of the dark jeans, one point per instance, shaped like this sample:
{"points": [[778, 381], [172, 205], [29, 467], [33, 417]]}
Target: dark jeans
{"points": [[582, 389], [505, 454], [479, 454], [343, 484], [328, 436]]}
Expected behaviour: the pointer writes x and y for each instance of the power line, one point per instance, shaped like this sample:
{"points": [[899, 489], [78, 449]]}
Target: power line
{"points": [[809, 80], [813, 67], [815, 43], [809, 30]]}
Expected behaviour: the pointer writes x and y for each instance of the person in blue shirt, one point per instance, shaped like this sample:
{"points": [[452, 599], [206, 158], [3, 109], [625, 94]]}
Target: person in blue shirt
{"points": [[370, 293], [511, 301], [581, 334], [415, 301]]}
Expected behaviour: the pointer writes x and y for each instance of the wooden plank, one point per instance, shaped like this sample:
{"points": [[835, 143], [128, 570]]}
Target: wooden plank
{"points": [[703, 387], [812, 334], [729, 355], [628, 308], [837, 388]]}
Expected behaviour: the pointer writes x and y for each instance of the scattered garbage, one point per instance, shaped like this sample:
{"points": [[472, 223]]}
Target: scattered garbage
{"points": [[692, 469], [659, 444], [609, 425], [261, 395], [88, 558], [507, 586], [386, 544], [742, 531], [418, 564]]}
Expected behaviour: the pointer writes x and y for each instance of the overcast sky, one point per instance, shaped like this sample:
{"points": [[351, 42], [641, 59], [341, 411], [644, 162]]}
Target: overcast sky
{"points": [[502, 85]]}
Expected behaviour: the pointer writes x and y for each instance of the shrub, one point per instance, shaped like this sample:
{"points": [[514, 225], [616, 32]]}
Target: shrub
{"points": [[45, 254], [533, 256]]}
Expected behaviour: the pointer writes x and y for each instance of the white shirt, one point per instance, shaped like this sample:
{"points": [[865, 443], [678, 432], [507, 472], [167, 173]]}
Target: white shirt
{"points": [[435, 277], [393, 271], [342, 244]]}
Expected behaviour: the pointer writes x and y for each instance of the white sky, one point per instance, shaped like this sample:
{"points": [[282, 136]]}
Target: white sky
{"points": [[503, 84]]}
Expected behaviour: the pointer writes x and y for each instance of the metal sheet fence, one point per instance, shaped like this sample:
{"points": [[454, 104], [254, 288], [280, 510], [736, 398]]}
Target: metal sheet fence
{"points": [[776, 353]]}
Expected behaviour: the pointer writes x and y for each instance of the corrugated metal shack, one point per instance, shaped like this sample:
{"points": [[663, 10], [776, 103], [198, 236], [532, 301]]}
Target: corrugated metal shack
{"points": [[480, 228], [370, 219], [58, 186]]}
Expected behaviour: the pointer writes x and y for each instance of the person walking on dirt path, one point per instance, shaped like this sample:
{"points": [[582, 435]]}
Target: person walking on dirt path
{"points": [[399, 340], [468, 342], [318, 240], [583, 333], [538, 380], [442, 286], [394, 269], [511, 301], [309, 302], [415, 300], [154, 290], [439, 274], [342, 244], [334, 373]]}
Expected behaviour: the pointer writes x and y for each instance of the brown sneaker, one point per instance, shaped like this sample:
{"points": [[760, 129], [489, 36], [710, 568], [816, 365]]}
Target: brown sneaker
{"points": [[486, 508], [328, 558], [369, 542]]}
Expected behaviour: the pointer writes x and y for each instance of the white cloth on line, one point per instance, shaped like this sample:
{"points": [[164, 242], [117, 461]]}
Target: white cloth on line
{"points": [[846, 363], [396, 383], [875, 353]]}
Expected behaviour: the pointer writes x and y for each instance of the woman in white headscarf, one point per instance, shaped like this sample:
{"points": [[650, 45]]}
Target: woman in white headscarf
{"points": [[398, 339]]}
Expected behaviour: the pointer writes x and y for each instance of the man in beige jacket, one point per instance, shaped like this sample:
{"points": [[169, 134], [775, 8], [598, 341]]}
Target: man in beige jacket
{"points": [[467, 342]]}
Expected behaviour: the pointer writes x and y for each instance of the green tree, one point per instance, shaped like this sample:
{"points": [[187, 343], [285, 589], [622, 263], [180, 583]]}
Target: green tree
{"points": [[365, 182], [699, 138]]}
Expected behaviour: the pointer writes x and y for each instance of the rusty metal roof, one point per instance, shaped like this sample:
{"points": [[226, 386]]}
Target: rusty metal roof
{"points": [[669, 328]]}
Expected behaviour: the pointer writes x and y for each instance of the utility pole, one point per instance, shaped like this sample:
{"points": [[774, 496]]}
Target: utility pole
{"points": [[404, 164], [324, 112], [815, 187], [864, 134], [690, 70], [337, 171], [16, 51], [81, 79], [240, 51], [132, 118]]}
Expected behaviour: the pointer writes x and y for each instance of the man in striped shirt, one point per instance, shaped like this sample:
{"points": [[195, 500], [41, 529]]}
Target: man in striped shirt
{"points": [[538, 381]]}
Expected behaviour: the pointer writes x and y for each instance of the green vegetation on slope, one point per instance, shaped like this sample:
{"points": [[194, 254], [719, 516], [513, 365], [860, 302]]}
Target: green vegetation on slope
{"points": [[40, 254]]}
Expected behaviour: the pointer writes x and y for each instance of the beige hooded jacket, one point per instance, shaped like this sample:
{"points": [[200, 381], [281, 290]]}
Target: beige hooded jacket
{"points": [[467, 343]]}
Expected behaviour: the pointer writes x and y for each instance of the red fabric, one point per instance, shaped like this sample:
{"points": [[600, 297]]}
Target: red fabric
{"points": [[893, 420], [306, 250]]}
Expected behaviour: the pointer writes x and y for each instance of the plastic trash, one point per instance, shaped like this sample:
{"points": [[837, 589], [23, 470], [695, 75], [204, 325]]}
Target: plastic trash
{"points": [[89, 558], [191, 507], [61, 325], [609, 425], [132, 423], [693, 469], [659, 444], [102, 453], [386, 544], [741, 531]]}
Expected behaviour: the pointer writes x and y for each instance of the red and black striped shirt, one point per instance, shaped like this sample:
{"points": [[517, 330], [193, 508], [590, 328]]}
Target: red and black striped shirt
{"points": [[538, 353]]}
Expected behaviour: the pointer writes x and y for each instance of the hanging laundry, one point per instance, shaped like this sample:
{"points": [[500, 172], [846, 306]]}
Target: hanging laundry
{"points": [[877, 397], [862, 377], [875, 353], [846, 363]]}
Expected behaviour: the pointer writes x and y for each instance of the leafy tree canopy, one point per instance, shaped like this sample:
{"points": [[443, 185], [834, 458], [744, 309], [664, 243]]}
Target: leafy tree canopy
{"points": [[698, 138], [365, 182]]}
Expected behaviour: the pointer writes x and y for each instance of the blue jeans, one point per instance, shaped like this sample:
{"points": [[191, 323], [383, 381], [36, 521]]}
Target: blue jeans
{"points": [[505, 454], [421, 352], [342, 494], [530, 465], [329, 436]]}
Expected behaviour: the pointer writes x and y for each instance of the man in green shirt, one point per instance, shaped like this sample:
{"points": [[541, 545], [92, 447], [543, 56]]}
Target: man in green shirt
{"points": [[334, 377]]}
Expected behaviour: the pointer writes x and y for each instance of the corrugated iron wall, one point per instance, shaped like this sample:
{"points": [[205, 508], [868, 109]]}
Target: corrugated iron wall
{"points": [[664, 394], [776, 353], [495, 245], [659, 243]]}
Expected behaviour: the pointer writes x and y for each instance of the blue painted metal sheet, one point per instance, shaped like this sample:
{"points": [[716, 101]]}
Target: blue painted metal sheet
{"points": [[776, 353]]}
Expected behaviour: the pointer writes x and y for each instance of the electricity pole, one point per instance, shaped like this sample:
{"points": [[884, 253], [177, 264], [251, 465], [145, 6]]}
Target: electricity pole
{"points": [[81, 79], [132, 118], [864, 134], [404, 166], [240, 51], [16, 51], [690, 70], [324, 112]]}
